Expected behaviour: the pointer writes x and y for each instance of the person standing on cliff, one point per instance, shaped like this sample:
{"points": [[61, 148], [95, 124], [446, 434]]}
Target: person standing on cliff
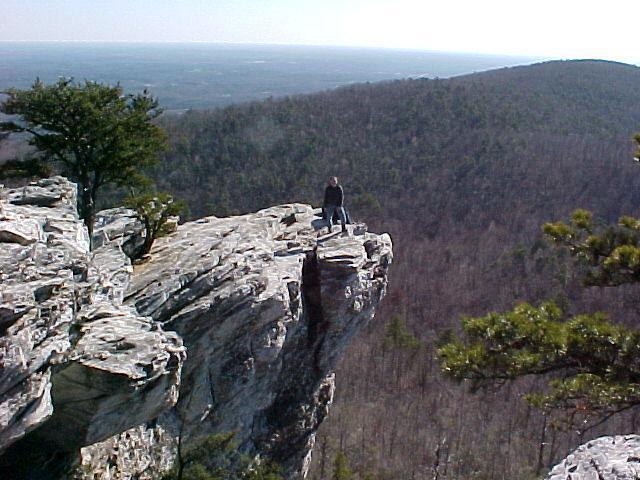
{"points": [[333, 203]]}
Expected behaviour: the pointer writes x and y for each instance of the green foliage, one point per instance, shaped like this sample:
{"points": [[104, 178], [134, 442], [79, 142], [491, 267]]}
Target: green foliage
{"points": [[596, 364], [217, 458], [154, 211], [610, 253], [399, 336], [341, 469], [96, 133]]}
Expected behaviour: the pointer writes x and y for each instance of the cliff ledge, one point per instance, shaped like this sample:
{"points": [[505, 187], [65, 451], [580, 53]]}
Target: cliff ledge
{"points": [[234, 324]]}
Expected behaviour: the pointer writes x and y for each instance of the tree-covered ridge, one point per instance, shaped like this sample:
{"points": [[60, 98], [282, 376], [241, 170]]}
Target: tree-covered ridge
{"points": [[391, 141], [576, 96]]}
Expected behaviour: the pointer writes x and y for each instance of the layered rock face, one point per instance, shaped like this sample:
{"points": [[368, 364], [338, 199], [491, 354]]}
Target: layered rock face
{"points": [[263, 306], [605, 458], [74, 358]]}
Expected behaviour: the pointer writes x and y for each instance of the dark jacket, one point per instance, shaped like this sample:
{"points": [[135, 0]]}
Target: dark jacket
{"points": [[333, 196]]}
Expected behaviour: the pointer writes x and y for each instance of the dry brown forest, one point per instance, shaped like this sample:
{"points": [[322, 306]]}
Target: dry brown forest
{"points": [[462, 173]]}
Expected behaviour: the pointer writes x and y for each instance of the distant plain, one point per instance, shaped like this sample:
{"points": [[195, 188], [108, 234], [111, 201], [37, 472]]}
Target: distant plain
{"points": [[202, 75]]}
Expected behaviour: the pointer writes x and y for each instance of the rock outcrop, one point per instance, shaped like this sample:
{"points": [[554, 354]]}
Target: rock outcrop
{"points": [[93, 347], [605, 458], [74, 358]]}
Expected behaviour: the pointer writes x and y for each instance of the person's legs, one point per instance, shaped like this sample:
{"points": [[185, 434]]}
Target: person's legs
{"points": [[328, 213], [343, 218]]}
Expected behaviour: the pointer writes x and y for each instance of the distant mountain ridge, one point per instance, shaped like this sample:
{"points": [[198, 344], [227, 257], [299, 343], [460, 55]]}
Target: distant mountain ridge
{"points": [[595, 87]]}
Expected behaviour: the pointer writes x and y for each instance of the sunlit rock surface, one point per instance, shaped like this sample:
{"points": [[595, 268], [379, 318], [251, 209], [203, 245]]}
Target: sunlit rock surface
{"points": [[141, 453], [77, 365], [605, 458], [262, 304], [42, 250], [265, 309]]}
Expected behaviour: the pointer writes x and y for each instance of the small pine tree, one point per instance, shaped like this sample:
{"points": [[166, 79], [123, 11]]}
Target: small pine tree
{"points": [[611, 253], [341, 469], [154, 211], [399, 336], [216, 457]]}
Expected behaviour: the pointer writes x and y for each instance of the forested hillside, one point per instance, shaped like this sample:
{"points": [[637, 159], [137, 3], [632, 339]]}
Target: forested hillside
{"points": [[462, 173]]}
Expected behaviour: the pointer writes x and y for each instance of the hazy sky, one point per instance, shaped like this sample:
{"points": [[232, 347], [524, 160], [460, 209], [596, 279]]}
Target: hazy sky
{"points": [[557, 28]]}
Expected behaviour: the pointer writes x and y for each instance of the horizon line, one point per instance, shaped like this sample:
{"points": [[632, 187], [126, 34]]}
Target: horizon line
{"points": [[284, 44], [529, 57]]}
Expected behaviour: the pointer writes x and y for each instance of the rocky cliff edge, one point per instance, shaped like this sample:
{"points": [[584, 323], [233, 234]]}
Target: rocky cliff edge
{"points": [[233, 324]]}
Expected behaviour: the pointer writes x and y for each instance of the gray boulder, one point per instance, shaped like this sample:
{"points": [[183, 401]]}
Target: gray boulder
{"points": [[605, 458], [43, 249], [265, 308]]}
